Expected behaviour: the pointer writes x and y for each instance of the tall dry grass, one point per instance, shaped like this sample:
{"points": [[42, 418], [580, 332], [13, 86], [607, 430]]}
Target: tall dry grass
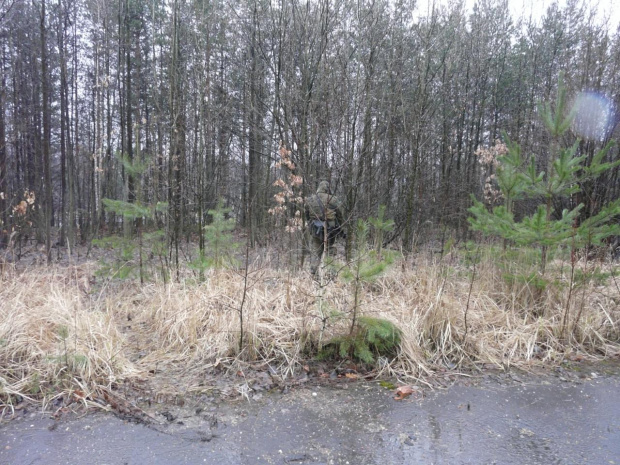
{"points": [[58, 332], [53, 338]]}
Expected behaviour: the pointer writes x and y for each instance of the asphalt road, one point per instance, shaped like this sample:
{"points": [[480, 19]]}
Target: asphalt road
{"points": [[532, 421]]}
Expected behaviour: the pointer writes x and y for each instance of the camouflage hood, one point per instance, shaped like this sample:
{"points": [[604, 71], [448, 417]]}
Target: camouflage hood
{"points": [[323, 188]]}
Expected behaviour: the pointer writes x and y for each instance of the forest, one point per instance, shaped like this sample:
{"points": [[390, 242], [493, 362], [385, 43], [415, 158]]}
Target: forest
{"points": [[161, 152], [389, 106]]}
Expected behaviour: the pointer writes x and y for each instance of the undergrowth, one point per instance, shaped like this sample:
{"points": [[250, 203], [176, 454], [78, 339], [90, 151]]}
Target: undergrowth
{"points": [[371, 337], [64, 330]]}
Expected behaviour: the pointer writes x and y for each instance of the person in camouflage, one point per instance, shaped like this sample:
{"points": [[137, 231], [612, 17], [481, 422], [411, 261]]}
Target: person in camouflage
{"points": [[325, 220]]}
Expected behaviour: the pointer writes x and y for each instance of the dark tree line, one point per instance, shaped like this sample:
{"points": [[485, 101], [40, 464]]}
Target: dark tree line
{"points": [[189, 101]]}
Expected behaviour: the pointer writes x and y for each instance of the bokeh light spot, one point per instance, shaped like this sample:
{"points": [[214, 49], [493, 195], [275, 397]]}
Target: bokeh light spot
{"points": [[593, 116]]}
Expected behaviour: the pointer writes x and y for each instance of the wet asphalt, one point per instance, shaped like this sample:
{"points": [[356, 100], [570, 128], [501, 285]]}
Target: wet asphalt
{"points": [[536, 421]]}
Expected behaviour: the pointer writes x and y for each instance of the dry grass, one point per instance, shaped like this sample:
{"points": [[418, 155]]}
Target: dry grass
{"points": [[53, 339], [57, 333]]}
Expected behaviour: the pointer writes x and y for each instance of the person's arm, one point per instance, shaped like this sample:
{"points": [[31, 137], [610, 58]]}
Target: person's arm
{"points": [[312, 209], [339, 214]]}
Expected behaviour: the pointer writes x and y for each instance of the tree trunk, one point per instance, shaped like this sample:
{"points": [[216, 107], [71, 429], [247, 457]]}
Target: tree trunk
{"points": [[45, 91]]}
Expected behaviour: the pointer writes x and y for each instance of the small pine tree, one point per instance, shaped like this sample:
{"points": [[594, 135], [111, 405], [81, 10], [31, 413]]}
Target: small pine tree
{"points": [[363, 268], [132, 213], [374, 336], [380, 226], [367, 336], [566, 171], [220, 242]]}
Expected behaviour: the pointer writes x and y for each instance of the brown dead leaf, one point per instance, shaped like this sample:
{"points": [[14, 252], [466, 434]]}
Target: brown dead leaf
{"points": [[20, 208], [402, 392], [306, 368], [351, 376], [324, 375]]}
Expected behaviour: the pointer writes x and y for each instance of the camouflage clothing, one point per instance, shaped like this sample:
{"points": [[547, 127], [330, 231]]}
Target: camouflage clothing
{"points": [[327, 208], [324, 206]]}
